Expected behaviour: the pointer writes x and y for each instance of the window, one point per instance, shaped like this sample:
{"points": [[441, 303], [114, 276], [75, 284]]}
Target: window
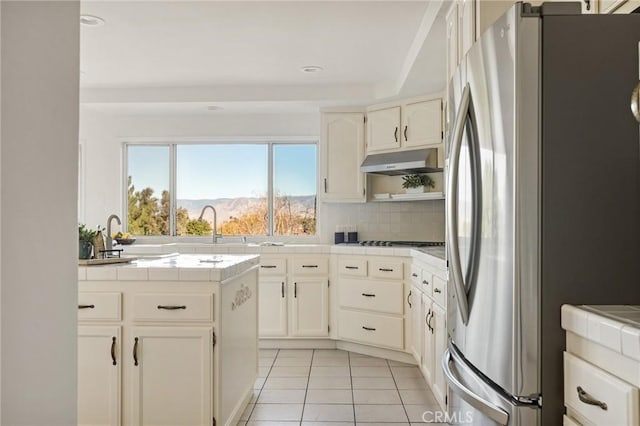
{"points": [[256, 189]]}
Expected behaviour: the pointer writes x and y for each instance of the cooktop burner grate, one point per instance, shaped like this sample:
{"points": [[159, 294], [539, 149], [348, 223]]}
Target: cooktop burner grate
{"points": [[402, 243]]}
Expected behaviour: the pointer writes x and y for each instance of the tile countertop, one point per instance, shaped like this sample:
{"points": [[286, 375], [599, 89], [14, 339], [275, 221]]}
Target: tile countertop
{"points": [[177, 267], [435, 255], [616, 327]]}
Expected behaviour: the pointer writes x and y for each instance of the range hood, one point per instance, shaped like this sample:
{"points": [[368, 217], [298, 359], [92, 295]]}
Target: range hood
{"points": [[402, 162]]}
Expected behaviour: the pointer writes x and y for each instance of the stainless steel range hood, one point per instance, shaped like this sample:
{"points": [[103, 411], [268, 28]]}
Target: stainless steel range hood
{"points": [[403, 162]]}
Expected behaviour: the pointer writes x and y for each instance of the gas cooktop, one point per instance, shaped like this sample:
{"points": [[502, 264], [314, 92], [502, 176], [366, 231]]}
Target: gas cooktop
{"points": [[402, 243]]}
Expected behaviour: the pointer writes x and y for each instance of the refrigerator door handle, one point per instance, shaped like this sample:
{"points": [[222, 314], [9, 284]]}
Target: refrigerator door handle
{"points": [[452, 205], [489, 409]]}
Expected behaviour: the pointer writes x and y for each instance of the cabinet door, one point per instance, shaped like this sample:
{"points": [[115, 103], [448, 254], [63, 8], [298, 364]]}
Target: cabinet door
{"points": [[417, 324], [428, 341], [171, 376], [272, 309], [467, 32], [309, 307], [383, 129], [440, 343], [342, 153], [452, 40], [422, 123], [99, 367]]}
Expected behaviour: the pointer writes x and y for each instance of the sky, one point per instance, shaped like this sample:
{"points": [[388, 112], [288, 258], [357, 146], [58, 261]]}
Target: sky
{"points": [[224, 171]]}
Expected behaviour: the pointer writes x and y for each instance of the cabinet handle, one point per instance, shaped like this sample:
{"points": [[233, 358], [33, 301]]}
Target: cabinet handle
{"points": [[113, 350], [385, 269], [437, 290], [429, 324], [588, 399], [414, 275], [588, 3], [405, 133], [86, 306], [409, 298], [295, 289], [309, 266], [395, 134], [426, 320], [368, 295], [368, 328], [282, 288], [325, 185], [171, 307], [425, 282], [268, 266], [635, 102], [135, 351], [351, 267]]}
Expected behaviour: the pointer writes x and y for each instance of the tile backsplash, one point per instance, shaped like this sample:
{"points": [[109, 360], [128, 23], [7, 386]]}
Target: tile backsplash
{"points": [[410, 221]]}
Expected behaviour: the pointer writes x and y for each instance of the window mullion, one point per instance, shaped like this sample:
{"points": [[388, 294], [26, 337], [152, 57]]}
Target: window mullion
{"points": [[271, 221], [172, 189]]}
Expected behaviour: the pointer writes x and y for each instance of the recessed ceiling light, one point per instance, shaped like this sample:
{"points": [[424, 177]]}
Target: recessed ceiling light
{"points": [[311, 69], [91, 21], [214, 108]]}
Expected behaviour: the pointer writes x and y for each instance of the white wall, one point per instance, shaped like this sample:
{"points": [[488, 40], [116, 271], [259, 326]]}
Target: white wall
{"points": [[39, 243], [102, 135]]}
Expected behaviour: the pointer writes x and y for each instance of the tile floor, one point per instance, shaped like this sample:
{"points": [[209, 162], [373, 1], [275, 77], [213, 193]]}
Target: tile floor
{"points": [[337, 388]]}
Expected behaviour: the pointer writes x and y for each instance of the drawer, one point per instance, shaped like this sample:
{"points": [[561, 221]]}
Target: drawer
{"points": [[372, 295], [353, 267], [568, 421], [172, 307], [372, 329], [385, 269], [621, 398], [310, 266], [277, 266], [439, 290], [416, 274], [99, 306]]}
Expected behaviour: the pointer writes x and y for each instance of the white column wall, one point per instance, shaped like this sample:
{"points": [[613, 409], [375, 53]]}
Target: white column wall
{"points": [[39, 243]]}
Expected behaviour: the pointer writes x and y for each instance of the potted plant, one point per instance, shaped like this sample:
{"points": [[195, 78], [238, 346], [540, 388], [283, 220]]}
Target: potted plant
{"points": [[415, 184], [85, 236]]}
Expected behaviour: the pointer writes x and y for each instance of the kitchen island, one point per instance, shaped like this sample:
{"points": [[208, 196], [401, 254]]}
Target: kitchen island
{"points": [[168, 340]]}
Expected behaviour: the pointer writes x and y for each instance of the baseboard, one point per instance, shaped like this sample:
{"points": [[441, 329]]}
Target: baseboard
{"points": [[296, 343], [235, 415]]}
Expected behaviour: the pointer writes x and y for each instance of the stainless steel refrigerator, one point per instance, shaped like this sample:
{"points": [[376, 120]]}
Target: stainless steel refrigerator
{"points": [[543, 203]]}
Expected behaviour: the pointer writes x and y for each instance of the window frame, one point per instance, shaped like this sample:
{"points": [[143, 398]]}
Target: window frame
{"points": [[173, 143]]}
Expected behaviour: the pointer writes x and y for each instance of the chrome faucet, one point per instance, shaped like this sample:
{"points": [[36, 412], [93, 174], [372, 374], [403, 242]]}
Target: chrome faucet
{"points": [[109, 240], [215, 221]]}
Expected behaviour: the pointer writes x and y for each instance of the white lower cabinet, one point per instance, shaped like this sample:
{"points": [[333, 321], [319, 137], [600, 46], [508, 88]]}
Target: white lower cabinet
{"points": [[428, 341], [294, 297], [272, 307], [99, 372], [439, 386], [309, 307], [171, 378], [417, 324]]}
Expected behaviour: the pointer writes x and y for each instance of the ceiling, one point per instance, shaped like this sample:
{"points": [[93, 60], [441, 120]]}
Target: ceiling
{"points": [[177, 57]]}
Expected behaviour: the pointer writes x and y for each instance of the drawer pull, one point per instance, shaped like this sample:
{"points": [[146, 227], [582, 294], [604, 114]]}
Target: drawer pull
{"points": [[588, 399], [295, 290], [351, 267], [309, 266], [425, 282], [172, 307], [368, 328], [282, 288], [414, 275], [385, 269], [368, 295], [86, 306], [268, 266], [113, 350], [135, 351], [437, 290]]}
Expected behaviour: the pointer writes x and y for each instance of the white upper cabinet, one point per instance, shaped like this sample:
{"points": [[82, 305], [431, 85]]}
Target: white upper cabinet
{"points": [[452, 41], [422, 123], [414, 123], [342, 153], [467, 32], [383, 129]]}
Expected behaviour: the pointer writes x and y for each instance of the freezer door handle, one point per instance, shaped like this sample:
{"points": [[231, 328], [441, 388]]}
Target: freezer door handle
{"points": [[489, 409]]}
